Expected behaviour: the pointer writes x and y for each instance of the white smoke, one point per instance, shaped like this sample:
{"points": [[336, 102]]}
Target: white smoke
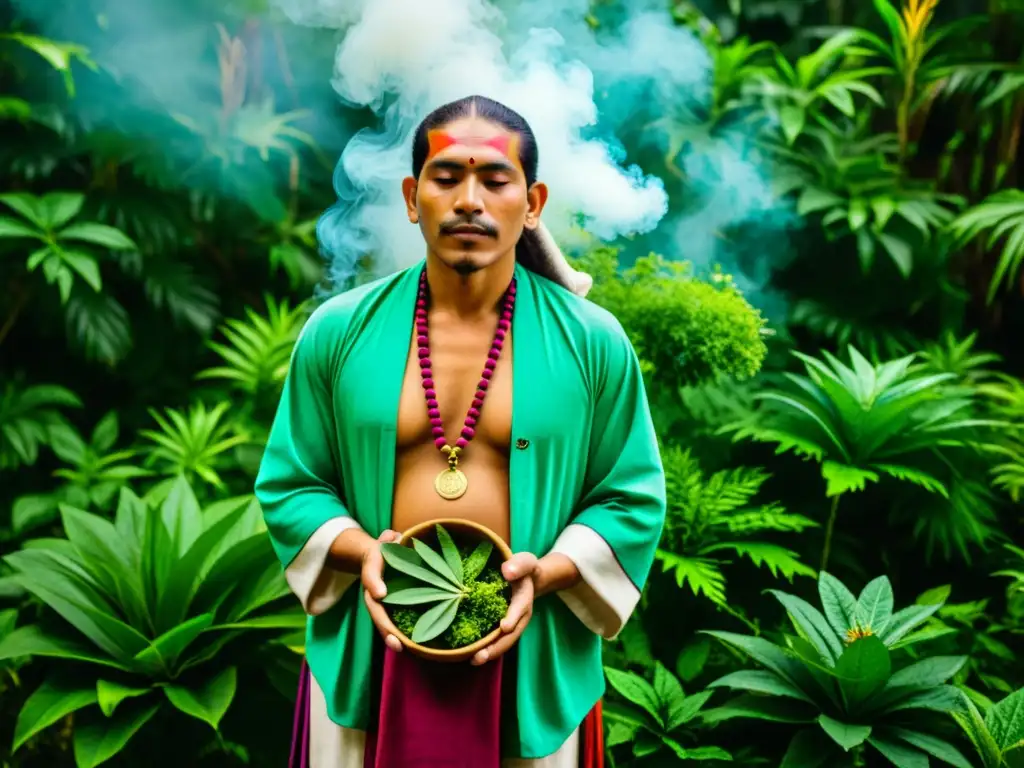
{"points": [[403, 58]]}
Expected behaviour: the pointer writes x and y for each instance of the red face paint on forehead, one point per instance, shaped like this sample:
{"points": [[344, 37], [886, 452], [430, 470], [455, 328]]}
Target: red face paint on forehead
{"points": [[439, 140]]}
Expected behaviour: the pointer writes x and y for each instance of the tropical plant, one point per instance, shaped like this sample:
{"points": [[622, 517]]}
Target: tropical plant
{"points": [[866, 420], [32, 417], [998, 736], [837, 677], [160, 606], [710, 517], [92, 478], [463, 587], [688, 330], [656, 719]]}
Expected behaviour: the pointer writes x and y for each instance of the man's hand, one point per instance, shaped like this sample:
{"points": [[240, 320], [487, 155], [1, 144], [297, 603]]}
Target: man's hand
{"points": [[374, 590], [520, 570]]}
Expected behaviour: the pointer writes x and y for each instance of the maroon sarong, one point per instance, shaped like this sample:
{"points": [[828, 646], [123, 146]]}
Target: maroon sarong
{"points": [[420, 724]]}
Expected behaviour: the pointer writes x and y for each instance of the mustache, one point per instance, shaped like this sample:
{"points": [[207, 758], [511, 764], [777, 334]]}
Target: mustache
{"points": [[450, 227]]}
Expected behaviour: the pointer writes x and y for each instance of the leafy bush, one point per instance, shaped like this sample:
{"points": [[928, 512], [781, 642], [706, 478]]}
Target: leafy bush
{"points": [[161, 606], [837, 676]]}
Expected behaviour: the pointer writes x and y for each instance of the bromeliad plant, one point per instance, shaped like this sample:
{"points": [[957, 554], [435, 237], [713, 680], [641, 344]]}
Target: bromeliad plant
{"points": [[658, 718], [150, 603], [836, 676], [449, 600]]}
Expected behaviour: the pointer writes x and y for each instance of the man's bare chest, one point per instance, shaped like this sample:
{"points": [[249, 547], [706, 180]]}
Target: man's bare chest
{"points": [[457, 362]]}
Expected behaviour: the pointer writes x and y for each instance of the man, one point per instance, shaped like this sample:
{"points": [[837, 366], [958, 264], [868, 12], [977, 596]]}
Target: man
{"points": [[542, 393]]}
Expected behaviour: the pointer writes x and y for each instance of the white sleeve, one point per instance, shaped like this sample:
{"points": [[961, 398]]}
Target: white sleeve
{"points": [[605, 597], [317, 585]]}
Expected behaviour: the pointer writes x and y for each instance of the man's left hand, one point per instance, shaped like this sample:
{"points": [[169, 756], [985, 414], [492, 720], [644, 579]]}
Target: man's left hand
{"points": [[520, 570]]}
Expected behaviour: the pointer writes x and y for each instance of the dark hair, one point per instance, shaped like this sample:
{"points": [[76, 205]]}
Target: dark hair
{"points": [[529, 250], [488, 109]]}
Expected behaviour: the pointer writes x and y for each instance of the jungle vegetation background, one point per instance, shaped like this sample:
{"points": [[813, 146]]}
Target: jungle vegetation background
{"points": [[852, 413]]}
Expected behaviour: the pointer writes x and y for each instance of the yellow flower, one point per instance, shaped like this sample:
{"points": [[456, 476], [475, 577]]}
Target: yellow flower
{"points": [[856, 633]]}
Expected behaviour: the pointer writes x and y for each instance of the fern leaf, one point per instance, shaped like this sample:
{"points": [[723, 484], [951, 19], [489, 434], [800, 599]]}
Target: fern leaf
{"points": [[776, 559], [785, 441], [770, 517], [843, 478], [703, 575], [916, 476]]}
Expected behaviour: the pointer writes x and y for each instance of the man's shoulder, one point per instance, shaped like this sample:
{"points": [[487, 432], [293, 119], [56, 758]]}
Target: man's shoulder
{"points": [[590, 321]]}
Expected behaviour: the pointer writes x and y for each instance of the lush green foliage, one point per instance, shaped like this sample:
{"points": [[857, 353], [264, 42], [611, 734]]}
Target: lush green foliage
{"points": [[836, 385], [457, 594]]}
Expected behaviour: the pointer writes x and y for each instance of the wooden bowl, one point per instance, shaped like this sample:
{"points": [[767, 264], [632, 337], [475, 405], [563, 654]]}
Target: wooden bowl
{"points": [[454, 526]]}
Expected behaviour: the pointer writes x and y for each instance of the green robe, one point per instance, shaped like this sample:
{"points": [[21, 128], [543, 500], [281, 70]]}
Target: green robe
{"points": [[592, 458]]}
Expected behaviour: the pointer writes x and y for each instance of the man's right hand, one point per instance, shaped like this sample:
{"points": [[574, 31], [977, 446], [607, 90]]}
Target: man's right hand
{"points": [[374, 589]]}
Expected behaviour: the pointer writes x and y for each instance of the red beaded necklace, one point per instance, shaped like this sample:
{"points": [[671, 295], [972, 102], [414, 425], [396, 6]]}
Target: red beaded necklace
{"points": [[451, 483]]}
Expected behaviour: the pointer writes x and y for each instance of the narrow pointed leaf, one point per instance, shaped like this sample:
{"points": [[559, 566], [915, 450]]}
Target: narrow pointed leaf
{"points": [[935, 747], [760, 681], [409, 562], [636, 690], [435, 621], [684, 710], [32, 640], [900, 755], [928, 673], [435, 561], [811, 624], [451, 553], [761, 708], [874, 606], [477, 560], [905, 621], [419, 596], [165, 650]]}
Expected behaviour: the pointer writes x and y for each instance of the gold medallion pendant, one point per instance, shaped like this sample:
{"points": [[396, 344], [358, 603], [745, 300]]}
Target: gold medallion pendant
{"points": [[451, 484]]}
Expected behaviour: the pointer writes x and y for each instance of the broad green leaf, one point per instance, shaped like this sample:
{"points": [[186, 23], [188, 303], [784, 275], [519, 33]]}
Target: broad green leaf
{"points": [[637, 690], [32, 640], [409, 562], [793, 118], [99, 739], [417, 596], [110, 693], [924, 635], [928, 672], [50, 702], [11, 228], [476, 561], [684, 710], [284, 620], [98, 234], [904, 621], [760, 681], [435, 561], [843, 478], [766, 653], [839, 603], [450, 552], [811, 625], [901, 755], [86, 266], [692, 658], [208, 701], [874, 605], [1005, 721], [667, 687], [935, 596], [810, 748], [944, 698], [761, 708], [846, 735], [936, 747], [862, 670], [435, 621]]}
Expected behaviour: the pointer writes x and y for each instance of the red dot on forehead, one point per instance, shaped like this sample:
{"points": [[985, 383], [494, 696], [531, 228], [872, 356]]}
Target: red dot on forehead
{"points": [[472, 161]]}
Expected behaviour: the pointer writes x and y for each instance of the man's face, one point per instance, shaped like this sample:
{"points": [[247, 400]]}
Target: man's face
{"points": [[471, 200]]}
